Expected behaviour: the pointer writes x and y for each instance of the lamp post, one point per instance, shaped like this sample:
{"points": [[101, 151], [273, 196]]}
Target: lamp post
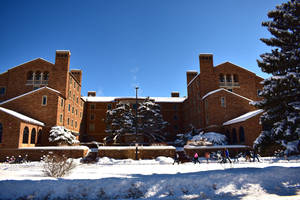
{"points": [[136, 122]]}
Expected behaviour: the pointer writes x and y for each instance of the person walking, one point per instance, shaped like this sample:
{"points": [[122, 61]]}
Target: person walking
{"points": [[196, 158], [255, 155], [176, 158], [227, 155], [207, 156]]}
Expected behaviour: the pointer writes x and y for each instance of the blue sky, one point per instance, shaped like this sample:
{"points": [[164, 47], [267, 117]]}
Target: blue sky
{"points": [[122, 43]]}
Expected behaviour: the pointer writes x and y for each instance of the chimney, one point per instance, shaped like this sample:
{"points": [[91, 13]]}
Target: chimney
{"points": [[206, 63], [91, 93], [190, 75], [174, 94], [77, 73], [62, 59]]}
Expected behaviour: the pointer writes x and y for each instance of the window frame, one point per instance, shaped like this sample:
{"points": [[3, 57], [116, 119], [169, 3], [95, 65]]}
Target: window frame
{"points": [[44, 100]]}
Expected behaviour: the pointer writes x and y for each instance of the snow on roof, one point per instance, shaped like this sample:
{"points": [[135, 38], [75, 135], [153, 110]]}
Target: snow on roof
{"points": [[169, 99], [133, 147], [22, 95], [193, 79], [193, 71], [156, 99], [243, 117], [99, 99], [216, 147], [56, 148], [222, 89], [21, 116]]}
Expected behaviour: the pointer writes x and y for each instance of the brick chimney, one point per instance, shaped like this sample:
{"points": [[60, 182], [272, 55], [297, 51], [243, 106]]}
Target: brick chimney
{"points": [[206, 63], [77, 73], [190, 75], [91, 93], [174, 94]]}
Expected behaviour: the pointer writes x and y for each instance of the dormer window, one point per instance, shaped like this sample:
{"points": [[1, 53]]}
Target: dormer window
{"points": [[235, 78], [228, 78], [221, 78]]}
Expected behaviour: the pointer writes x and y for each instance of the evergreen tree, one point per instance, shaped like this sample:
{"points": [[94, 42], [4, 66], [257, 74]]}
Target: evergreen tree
{"points": [[150, 121], [118, 122], [281, 92]]}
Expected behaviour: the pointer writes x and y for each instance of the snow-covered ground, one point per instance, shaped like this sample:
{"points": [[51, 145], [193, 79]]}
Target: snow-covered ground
{"points": [[154, 179]]}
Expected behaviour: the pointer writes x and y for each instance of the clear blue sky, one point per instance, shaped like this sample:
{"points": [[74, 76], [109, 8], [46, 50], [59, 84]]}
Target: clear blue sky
{"points": [[121, 43]]}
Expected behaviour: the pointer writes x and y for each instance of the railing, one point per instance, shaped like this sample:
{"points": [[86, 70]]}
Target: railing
{"points": [[228, 84], [37, 82]]}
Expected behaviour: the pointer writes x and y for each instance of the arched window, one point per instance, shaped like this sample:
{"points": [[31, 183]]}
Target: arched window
{"points": [[39, 137], [30, 76], [227, 133], [228, 78], [25, 135], [1, 130], [37, 75], [235, 78], [221, 78], [33, 135], [234, 136], [242, 135], [45, 76]]}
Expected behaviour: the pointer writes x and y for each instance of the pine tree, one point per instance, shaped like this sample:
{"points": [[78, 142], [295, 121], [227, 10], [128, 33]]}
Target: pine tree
{"points": [[281, 92], [118, 122], [150, 121]]}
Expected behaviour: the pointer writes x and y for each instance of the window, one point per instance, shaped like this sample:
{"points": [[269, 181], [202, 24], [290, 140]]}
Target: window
{"points": [[72, 122], [33, 135], [74, 84], [234, 136], [72, 109], [77, 100], [37, 76], [175, 117], [175, 127], [235, 78], [73, 97], [2, 91], [242, 135], [39, 137], [223, 102], [78, 88], [228, 78], [80, 114], [76, 112], [61, 118], [1, 131], [175, 107], [25, 135], [109, 106], [70, 94], [227, 133], [221, 78], [92, 116], [91, 127], [75, 124], [68, 121], [45, 76], [62, 102], [92, 106], [44, 100], [69, 107]]}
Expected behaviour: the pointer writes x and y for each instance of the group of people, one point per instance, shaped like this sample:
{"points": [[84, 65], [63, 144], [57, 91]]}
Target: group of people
{"points": [[224, 157]]}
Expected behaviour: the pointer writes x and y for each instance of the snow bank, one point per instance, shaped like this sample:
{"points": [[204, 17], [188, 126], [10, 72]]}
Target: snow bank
{"points": [[56, 148]]}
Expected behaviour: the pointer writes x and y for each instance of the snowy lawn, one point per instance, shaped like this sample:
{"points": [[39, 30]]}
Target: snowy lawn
{"points": [[153, 179]]}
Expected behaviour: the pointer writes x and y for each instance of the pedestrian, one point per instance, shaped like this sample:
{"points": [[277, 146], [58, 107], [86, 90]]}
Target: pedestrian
{"points": [[207, 156], [227, 155], [196, 158], [255, 155], [248, 155], [176, 158]]}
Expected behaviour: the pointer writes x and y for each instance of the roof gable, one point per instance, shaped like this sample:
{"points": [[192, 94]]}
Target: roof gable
{"points": [[21, 116], [243, 117], [25, 94], [222, 89]]}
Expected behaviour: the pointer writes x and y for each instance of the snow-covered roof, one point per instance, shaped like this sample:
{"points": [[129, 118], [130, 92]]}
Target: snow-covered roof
{"points": [[156, 99], [215, 147], [222, 89], [21, 116], [56, 148], [243, 117], [33, 91]]}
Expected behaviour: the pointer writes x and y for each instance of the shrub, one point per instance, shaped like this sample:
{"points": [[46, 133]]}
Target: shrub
{"points": [[56, 165]]}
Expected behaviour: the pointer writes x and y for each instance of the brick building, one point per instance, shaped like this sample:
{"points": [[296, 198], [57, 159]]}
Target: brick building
{"points": [[37, 95]]}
